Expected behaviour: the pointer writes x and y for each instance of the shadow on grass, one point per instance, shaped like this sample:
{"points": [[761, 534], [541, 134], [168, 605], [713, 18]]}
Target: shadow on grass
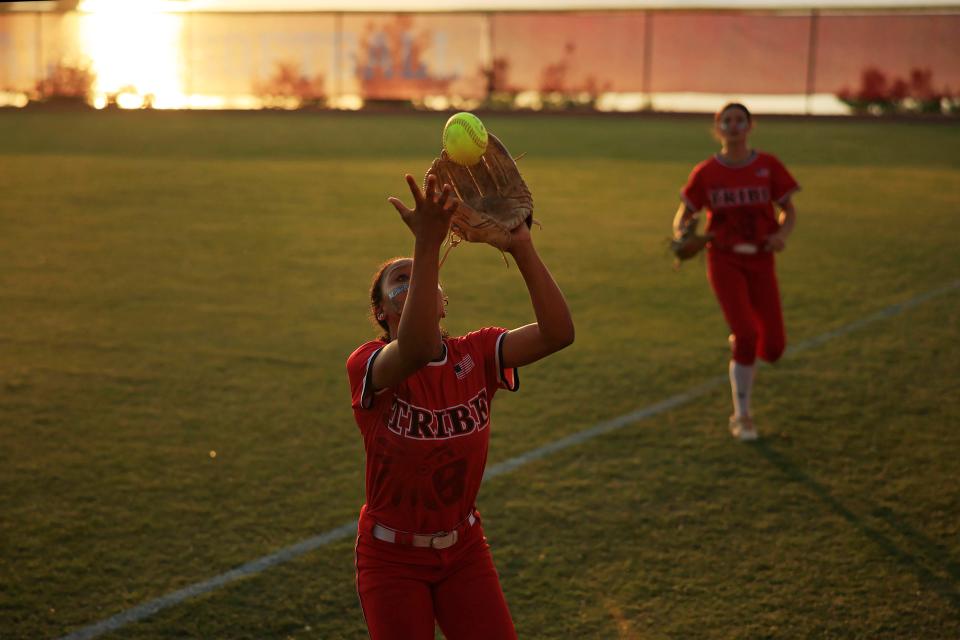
{"points": [[934, 552], [929, 547]]}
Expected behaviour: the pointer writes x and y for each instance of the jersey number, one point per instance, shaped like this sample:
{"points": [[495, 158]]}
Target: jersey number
{"points": [[449, 481]]}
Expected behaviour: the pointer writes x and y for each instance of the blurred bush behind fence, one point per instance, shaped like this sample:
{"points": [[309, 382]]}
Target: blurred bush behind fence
{"points": [[879, 62]]}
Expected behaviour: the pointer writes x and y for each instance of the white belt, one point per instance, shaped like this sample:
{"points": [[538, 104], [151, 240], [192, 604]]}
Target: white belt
{"points": [[745, 248], [440, 540]]}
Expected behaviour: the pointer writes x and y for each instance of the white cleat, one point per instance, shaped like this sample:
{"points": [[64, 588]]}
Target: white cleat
{"points": [[742, 428]]}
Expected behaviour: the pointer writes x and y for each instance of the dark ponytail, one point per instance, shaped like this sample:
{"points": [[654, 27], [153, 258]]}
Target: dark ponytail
{"points": [[376, 297]]}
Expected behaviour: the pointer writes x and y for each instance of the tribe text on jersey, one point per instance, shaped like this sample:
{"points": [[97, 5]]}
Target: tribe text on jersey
{"points": [[426, 438], [410, 421], [738, 197]]}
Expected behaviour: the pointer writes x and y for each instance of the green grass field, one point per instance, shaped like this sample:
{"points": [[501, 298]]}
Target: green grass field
{"points": [[173, 284]]}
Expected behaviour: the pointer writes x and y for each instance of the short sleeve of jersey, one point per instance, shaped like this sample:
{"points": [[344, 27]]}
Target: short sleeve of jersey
{"points": [[489, 342], [782, 184], [360, 370], [694, 194]]}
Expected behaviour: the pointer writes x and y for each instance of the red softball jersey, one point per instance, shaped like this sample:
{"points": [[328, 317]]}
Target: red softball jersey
{"points": [[739, 199], [426, 439]]}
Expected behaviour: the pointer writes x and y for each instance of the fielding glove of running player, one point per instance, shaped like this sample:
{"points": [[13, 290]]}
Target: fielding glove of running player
{"points": [[689, 243], [494, 199]]}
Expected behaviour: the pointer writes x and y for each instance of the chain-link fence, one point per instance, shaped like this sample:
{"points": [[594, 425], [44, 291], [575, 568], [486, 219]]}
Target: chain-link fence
{"points": [[800, 61]]}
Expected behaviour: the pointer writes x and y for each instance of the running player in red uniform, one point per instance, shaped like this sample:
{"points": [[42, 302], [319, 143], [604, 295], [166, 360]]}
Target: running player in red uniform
{"points": [[739, 188], [422, 401]]}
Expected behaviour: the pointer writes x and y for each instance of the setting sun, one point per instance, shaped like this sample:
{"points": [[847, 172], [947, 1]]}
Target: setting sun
{"points": [[134, 48]]}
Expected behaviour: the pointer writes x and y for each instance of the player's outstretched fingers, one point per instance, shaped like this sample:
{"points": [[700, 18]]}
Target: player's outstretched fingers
{"points": [[430, 188], [399, 206], [438, 188], [406, 214], [446, 198], [415, 190]]}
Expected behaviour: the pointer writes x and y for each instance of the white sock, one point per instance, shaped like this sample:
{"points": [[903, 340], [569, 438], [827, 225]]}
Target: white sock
{"points": [[741, 384]]}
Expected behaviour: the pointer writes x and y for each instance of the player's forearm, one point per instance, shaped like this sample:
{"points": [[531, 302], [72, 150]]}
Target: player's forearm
{"points": [[682, 218], [549, 304], [417, 332], [788, 219]]}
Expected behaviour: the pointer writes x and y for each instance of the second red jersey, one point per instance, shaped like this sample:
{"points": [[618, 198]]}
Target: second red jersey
{"points": [[739, 199], [426, 439]]}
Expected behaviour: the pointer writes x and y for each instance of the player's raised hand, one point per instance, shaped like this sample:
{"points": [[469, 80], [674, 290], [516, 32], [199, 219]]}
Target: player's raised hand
{"points": [[429, 220]]}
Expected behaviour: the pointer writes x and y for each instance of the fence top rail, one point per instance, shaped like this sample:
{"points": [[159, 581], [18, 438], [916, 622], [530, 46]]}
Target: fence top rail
{"points": [[483, 7]]}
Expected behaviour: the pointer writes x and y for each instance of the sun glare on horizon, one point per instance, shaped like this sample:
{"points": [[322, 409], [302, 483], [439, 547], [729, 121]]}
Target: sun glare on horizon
{"points": [[134, 48]]}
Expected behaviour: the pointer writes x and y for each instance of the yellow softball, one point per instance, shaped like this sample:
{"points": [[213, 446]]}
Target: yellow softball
{"points": [[464, 138]]}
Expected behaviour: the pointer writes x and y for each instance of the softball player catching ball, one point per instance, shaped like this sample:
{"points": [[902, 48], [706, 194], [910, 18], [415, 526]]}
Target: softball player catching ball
{"points": [[739, 188], [422, 401]]}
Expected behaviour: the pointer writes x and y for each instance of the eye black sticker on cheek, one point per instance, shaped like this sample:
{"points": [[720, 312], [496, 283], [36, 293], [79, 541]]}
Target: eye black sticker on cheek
{"points": [[397, 290]]}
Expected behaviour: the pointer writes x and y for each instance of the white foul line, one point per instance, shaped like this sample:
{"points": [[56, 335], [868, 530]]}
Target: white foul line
{"points": [[349, 529]]}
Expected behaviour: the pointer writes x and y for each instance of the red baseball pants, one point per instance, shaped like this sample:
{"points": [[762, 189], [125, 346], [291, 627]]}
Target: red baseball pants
{"points": [[746, 288], [404, 589]]}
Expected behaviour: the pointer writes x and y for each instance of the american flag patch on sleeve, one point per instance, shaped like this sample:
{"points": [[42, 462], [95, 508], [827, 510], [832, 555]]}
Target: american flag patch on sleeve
{"points": [[463, 367]]}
